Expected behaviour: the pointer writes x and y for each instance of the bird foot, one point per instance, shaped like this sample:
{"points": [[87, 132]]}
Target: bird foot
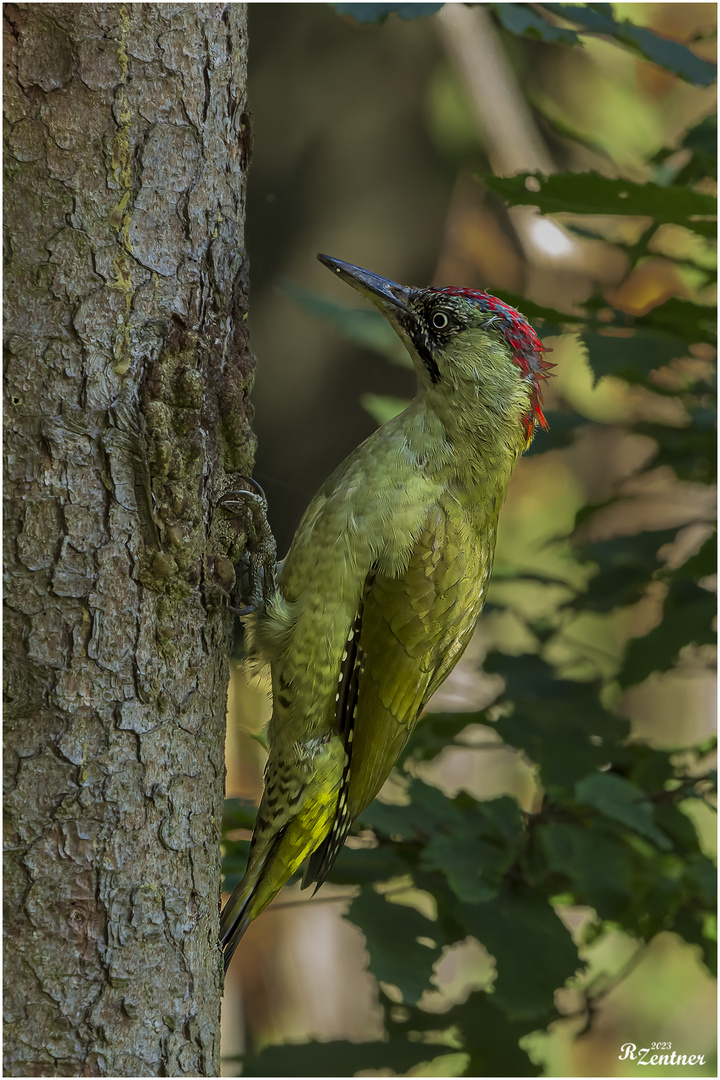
{"points": [[257, 570]]}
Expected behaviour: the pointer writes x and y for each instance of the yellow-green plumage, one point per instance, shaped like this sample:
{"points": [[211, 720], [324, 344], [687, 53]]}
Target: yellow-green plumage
{"points": [[384, 581]]}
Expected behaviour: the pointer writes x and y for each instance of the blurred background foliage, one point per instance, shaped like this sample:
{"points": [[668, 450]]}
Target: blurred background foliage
{"points": [[534, 887]]}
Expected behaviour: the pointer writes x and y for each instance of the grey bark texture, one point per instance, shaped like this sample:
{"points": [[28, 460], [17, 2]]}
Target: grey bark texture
{"points": [[127, 375]]}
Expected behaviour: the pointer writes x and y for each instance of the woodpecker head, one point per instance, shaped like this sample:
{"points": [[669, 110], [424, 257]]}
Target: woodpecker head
{"points": [[469, 348]]}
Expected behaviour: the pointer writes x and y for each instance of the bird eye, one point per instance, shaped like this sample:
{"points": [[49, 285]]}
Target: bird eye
{"points": [[440, 320]]}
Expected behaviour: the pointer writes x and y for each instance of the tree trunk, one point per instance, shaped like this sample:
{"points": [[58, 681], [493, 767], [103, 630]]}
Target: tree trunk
{"points": [[127, 379]]}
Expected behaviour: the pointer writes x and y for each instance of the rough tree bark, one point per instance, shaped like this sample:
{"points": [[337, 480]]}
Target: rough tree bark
{"points": [[127, 376]]}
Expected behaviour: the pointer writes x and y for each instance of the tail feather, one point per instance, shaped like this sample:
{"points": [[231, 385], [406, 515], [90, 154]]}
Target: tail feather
{"points": [[231, 939], [244, 904], [235, 919], [239, 911]]}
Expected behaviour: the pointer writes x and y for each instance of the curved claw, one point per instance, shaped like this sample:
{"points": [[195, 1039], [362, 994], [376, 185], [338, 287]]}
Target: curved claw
{"points": [[262, 552], [242, 610]]}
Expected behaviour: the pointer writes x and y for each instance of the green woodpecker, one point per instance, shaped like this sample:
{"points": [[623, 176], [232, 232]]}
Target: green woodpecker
{"points": [[386, 576]]}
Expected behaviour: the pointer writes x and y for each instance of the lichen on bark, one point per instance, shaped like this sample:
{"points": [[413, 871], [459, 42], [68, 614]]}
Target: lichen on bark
{"points": [[126, 416]]}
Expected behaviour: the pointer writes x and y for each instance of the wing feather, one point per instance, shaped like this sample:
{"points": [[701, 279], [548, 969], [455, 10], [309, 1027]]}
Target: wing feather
{"points": [[346, 699], [409, 632], [415, 628]]}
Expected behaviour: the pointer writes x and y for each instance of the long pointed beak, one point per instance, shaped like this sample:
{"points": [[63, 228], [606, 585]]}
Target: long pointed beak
{"points": [[385, 294]]}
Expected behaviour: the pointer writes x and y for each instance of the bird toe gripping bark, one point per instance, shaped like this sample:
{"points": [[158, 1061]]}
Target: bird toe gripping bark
{"points": [[257, 571]]}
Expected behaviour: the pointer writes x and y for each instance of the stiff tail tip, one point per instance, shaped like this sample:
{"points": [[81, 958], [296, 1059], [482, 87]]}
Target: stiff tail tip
{"points": [[234, 921], [232, 938]]}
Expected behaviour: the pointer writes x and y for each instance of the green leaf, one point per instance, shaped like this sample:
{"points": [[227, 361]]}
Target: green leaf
{"points": [[534, 952], [367, 865], [474, 859], [477, 1027], [428, 812], [491, 1039], [338, 1058], [690, 451], [602, 870], [370, 13], [560, 724], [703, 875], [650, 769], [234, 863], [435, 732], [702, 139], [562, 428], [688, 614], [391, 936], [622, 801], [626, 565], [683, 319], [590, 193], [671, 55], [631, 355], [678, 827], [692, 926], [522, 20], [238, 814], [700, 565]]}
